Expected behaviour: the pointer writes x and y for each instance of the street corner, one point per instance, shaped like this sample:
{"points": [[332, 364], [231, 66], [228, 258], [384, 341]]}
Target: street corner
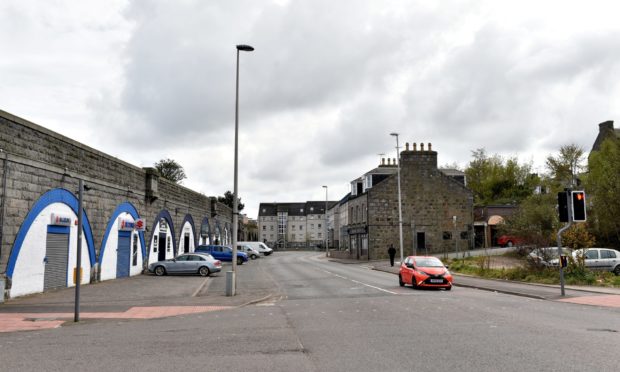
{"points": [[26, 322], [598, 300]]}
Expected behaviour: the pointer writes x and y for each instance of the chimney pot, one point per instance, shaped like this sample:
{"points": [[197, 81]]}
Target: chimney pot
{"points": [[415, 146], [382, 161], [421, 146], [429, 147], [406, 146]]}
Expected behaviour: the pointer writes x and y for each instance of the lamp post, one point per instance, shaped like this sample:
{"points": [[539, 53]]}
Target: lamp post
{"points": [[400, 210], [231, 283], [326, 227]]}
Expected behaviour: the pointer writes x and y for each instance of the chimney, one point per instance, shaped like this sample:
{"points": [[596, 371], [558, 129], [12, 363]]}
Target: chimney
{"points": [[421, 146], [429, 147], [406, 146], [382, 161], [606, 125], [415, 147]]}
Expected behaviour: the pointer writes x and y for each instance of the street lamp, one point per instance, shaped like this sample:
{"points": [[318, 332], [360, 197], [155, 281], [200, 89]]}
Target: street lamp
{"points": [[326, 227], [400, 210], [231, 283]]}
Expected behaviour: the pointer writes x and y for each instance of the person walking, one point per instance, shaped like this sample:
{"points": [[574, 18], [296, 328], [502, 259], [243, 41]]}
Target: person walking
{"points": [[392, 253]]}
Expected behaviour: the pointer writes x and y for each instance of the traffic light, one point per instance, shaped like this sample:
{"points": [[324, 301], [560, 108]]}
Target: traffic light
{"points": [[579, 206], [563, 206]]}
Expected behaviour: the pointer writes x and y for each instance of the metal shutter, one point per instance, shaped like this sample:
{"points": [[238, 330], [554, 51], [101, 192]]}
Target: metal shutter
{"points": [[57, 255], [123, 254]]}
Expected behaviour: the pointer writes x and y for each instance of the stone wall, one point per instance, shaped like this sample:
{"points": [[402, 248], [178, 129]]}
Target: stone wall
{"points": [[35, 160]]}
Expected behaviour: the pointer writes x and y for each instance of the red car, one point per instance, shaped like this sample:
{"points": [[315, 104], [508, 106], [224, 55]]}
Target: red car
{"points": [[424, 271], [508, 240]]}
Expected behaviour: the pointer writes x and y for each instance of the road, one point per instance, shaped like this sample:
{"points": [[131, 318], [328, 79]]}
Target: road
{"points": [[327, 316]]}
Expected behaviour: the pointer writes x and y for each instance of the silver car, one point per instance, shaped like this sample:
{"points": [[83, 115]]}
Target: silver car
{"points": [[604, 259], [251, 252], [188, 263]]}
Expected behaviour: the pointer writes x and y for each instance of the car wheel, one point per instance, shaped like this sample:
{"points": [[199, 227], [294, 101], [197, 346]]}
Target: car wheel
{"points": [[239, 261], [414, 285], [160, 270], [509, 244], [400, 281], [449, 288], [617, 270], [253, 256], [204, 271]]}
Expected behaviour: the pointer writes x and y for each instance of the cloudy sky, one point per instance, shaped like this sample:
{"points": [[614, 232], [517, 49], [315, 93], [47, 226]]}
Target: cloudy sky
{"points": [[327, 83]]}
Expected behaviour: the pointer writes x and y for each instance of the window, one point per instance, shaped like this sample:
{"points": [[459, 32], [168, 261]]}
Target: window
{"points": [[168, 244], [182, 258], [293, 227], [155, 243], [312, 226], [320, 235], [608, 254], [264, 227], [271, 227], [447, 235], [319, 226], [292, 236], [591, 254], [301, 227]]}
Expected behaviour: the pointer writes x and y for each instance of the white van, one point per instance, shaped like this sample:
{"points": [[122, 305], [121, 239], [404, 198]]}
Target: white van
{"points": [[259, 246]]}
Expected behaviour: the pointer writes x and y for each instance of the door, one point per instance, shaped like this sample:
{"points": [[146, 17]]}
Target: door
{"points": [[56, 257], [186, 243], [421, 243], [123, 254], [161, 253]]}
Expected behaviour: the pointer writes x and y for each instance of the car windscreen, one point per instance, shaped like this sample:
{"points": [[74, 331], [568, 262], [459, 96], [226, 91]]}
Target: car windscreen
{"points": [[428, 262]]}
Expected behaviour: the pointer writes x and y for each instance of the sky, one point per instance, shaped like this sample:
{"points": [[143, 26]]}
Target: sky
{"points": [[327, 83]]}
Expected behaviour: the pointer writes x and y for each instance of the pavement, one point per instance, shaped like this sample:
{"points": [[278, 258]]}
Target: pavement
{"points": [[150, 297]]}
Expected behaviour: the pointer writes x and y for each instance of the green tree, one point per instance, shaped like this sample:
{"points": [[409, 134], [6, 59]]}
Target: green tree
{"points": [[565, 167], [536, 220], [495, 180], [228, 200], [603, 189], [170, 170]]}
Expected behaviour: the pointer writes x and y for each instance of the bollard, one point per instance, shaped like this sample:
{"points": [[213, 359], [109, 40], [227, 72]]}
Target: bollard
{"points": [[230, 283]]}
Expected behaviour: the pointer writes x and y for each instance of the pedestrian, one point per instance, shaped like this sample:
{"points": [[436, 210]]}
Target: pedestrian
{"points": [[392, 253]]}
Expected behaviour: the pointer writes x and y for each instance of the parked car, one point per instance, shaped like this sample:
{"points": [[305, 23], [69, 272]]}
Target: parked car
{"points": [[222, 252], [604, 259], [424, 271], [251, 252], [509, 240], [547, 256], [188, 263], [258, 246]]}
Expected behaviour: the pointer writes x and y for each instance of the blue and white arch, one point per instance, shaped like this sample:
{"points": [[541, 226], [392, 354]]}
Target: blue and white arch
{"points": [[217, 234], [122, 249], [162, 244], [205, 232], [187, 237], [44, 254], [227, 233]]}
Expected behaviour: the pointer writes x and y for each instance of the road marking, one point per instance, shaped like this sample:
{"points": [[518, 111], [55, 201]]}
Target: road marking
{"points": [[200, 287], [358, 282]]}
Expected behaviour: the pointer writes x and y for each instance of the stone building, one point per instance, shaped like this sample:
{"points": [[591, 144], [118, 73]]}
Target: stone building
{"points": [[293, 225], [437, 209], [131, 216]]}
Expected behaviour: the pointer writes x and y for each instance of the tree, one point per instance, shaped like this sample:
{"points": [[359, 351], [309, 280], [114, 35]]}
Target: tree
{"points": [[497, 181], [170, 170], [567, 165], [603, 186], [227, 199]]}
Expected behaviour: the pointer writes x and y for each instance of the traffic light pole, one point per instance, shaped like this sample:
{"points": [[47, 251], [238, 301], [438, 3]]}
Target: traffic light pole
{"points": [[559, 240]]}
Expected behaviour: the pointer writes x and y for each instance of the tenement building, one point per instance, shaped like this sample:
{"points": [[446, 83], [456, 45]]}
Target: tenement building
{"points": [[437, 209], [293, 225]]}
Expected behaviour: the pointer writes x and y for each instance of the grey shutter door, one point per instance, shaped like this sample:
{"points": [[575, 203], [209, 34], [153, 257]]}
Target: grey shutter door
{"points": [[57, 254]]}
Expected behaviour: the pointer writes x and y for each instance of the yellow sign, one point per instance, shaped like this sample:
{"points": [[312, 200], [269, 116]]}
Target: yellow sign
{"points": [[81, 274]]}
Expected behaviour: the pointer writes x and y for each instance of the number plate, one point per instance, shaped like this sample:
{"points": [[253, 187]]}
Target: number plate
{"points": [[437, 281]]}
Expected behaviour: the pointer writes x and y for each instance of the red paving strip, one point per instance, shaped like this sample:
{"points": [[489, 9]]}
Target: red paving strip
{"points": [[11, 322], [608, 300]]}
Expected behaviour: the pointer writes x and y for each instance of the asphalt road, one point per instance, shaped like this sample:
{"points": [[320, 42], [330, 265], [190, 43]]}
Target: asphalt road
{"points": [[327, 316]]}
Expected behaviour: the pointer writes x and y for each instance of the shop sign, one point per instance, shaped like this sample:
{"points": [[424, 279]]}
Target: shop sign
{"points": [[60, 220], [126, 225]]}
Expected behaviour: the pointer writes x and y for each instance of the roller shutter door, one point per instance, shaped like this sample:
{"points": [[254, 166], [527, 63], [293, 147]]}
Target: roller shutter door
{"points": [[57, 256]]}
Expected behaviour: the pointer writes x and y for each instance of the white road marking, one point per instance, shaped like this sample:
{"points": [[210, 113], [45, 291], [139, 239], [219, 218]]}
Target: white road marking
{"points": [[358, 282]]}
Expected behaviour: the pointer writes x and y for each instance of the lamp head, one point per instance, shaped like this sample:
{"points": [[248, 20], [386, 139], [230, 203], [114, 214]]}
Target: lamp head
{"points": [[245, 48], [324, 186], [394, 134]]}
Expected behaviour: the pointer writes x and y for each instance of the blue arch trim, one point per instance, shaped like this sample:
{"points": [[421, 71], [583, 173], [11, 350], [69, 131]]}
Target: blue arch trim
{"points": [[122, 208], [205, 220], [165, 215], [190, 219], [53, 196]]}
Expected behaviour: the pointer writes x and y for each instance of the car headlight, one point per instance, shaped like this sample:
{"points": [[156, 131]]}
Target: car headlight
{"points": [[447, 273]]}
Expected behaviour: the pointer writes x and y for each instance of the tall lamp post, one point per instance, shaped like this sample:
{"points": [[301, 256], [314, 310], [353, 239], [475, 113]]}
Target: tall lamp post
{"points": [[326, 227], [400, 210], [231, 283]]}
